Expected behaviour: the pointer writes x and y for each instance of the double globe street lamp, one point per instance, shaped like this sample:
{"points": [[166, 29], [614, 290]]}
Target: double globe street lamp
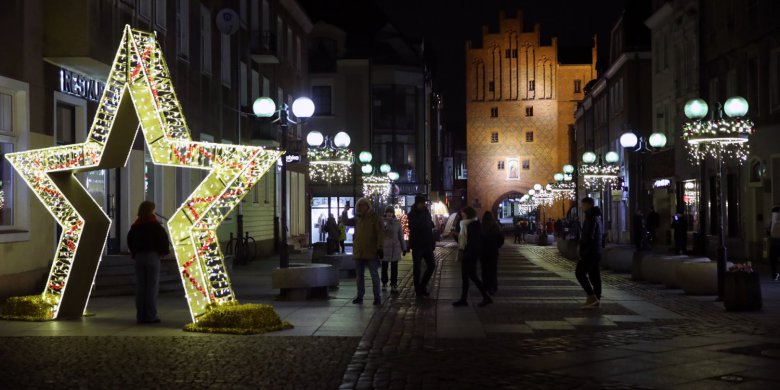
{"points": [[641, 146], [718, 138], [264, 107]]}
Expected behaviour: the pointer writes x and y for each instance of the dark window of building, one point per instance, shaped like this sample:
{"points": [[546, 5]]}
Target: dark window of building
{"points": [[395, 107], [514, 53], [494, 112], [66, 124], [577, 86], [526, 165], [532, 85], [494, 138], [501, 165], [492, 86], [321, 94], [529, 136], [529, 111], [508, 53]]}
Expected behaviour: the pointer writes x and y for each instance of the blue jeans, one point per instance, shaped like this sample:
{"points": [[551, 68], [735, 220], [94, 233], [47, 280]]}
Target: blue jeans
{"points": [[147, 285], [373, 269]]}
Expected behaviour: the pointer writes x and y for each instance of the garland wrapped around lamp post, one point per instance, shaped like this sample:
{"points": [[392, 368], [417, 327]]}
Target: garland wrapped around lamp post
{"points": [[597, 175], [718, 138], [330, 161]]}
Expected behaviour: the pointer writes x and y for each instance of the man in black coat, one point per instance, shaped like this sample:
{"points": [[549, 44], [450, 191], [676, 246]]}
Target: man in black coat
{"points": [[421, 243], [588, 272]]}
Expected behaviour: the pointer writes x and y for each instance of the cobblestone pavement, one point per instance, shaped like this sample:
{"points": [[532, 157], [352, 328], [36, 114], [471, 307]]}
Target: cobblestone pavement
{"points": [[535, 336], [220, 362]]}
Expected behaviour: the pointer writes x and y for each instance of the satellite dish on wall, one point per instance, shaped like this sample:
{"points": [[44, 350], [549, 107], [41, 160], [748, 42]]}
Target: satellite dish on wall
{"points": [[228, 21]]}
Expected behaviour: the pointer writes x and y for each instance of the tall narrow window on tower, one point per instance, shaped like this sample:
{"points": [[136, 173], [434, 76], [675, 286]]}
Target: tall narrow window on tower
{"points": [[494, 112], [577, 86], [494, 137], [531, 85], [529, 111]]}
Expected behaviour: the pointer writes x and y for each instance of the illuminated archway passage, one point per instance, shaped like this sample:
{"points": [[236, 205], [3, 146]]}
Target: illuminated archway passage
{"points": [[139, 89]]}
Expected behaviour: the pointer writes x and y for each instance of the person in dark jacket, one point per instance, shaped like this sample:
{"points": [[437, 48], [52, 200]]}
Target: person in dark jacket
{"points": [[147, 241], [492, 240], [470, 250], [588, 272], [680, 226], [421, 243]]}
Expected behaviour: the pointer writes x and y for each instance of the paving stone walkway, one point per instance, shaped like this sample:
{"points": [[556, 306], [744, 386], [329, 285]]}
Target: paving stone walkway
{"points": [[535, 336]]}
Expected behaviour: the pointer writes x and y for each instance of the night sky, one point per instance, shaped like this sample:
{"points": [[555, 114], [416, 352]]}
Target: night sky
{"points": [[447, 24]]}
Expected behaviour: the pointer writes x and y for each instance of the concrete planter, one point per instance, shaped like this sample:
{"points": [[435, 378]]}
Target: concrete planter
{"points": [[698, 278], [656, 267], [303, 281], [618, 258]]}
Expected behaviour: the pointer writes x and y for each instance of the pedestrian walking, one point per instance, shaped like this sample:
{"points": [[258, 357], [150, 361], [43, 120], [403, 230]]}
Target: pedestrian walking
{"points": [[343, 235], [587, 271], [524, 227], [147, 241], [653, 221], [394, 249], [518, 229], [367, 248], [680, 226], [774, 242], [422, 244], [492, 240], [332, 229], [470, 249]]}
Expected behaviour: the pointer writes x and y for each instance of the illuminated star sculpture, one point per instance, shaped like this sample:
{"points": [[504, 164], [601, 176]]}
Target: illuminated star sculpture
{"points": [[139, 90]]}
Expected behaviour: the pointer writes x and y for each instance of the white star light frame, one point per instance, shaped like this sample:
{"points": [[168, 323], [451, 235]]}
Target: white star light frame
{"points": [[139, 90]]}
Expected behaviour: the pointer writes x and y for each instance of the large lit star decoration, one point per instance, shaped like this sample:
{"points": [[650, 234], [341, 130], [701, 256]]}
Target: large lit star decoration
{"points": [[330, 165], [140, 72], [721, 138]]}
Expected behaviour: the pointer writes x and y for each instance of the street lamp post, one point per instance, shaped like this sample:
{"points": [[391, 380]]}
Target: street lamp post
{"points": [[302, 108], [718, 138], [641, 146]]}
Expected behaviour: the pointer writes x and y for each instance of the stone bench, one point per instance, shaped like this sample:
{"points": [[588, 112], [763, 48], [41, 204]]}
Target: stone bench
{"points": [[347, 267], [698, 278], [335, 263], [669, 276], [656, 266], [618, 258], [636, 264], [303, 281]]}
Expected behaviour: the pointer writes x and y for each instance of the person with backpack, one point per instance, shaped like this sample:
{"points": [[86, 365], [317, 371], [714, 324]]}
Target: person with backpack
{"points": [[492, 240]]}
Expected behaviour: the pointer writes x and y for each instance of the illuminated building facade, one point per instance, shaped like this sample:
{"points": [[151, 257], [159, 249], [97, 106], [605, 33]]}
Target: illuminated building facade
{"points": [[519, 110]]}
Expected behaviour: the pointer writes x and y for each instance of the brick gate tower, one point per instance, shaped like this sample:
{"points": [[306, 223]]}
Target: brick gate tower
{"points": [[520, 103]]}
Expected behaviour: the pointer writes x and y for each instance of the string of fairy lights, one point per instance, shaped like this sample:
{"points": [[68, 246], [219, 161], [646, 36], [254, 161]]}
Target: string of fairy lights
{"points": [[139, 66], [330, 165]]}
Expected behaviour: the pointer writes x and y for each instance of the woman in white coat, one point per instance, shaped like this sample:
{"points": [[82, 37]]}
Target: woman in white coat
{"points": [[394, 249]]}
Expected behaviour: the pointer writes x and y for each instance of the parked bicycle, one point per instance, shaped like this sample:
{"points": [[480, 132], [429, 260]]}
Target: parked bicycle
{"points": [[243, 250]]}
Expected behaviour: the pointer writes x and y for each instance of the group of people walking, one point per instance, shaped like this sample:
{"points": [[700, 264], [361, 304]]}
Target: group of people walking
{"points": [[380, 240]]}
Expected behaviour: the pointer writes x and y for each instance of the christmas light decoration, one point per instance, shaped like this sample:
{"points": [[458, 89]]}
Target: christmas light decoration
{"points": [[404, 220], [718, 138], [563, 190], [139, 89], [376, 187], [330, 165]]}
